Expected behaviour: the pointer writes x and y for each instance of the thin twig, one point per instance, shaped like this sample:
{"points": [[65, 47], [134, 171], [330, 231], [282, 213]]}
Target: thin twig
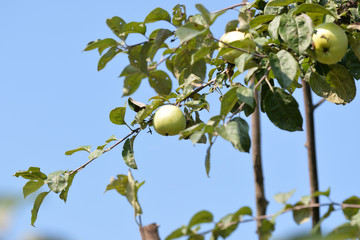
{"points": [[106, 150], [319, 103], [232, 7]]}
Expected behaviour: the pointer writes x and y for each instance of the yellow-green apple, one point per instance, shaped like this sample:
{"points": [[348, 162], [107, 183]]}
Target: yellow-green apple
{"points": [[243, 41], [330, 43], [169, 120]]}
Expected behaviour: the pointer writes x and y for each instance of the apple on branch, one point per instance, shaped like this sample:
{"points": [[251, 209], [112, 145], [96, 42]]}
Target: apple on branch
{"points": [[169, 120], [236, 39], [330, 43]]}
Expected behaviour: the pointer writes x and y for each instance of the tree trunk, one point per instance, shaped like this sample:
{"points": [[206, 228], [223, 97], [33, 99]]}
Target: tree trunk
{"points": [[150, 232], [261, 202], [310, 145]]}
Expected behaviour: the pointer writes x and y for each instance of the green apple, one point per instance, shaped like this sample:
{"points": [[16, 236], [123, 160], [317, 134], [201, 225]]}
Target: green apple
{"points": [[330, 43], [243, 41], [169, 120]]}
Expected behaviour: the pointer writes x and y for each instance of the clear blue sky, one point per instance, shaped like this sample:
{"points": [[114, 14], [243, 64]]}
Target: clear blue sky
{"points": [[53, 99]]}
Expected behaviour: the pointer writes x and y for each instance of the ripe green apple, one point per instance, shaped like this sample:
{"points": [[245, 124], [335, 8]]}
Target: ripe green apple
{"points": [[330, 43], [169, 120], [243, 41]]}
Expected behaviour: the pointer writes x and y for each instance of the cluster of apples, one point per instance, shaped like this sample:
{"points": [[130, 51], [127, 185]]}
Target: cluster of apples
{"points": [[330, 45]]}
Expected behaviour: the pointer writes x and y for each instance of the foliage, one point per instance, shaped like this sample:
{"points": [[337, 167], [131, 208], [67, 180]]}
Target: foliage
{"points": [[281, 31]]}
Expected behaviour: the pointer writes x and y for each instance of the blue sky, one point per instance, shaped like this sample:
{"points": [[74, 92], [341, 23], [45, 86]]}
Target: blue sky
{"points": [[53, 99]]}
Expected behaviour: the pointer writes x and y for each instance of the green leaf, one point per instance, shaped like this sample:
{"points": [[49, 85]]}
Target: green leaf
{"points": [[307, 199], [132, 83], [337, 87], [56, 181], [285, 68], [302, 215], [236, 132], [33, 173], [138, 56], [82, 148], [352, 62], [117, 115], [97, 152], [32, 186], [225, 227], [110, 54], [131, 193], [350, 212], [207, 160], [190, 130], [243, 62], [246, 95], [180, 232], [355, 45], [228, 101], [312, 8], [316, 229], [135, 27], [283, 197], [189, 31], [344, 231], [128, 153], [283, 110], [296, 32], [179, 15], [283, 2], [266, 229], [256, 21], [116, 24], [273, 27], [101, 44], [144, 113], [157, 14], [69, 178], [112, 138], [160, 82], [38, 201], [201, 217], [208, 16]]}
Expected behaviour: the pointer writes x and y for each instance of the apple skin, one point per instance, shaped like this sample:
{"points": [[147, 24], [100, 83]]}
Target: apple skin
{"points": [[233, 36], [169, 120], [330, 42]]}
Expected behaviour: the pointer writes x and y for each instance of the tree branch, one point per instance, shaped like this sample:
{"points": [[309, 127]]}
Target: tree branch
{"points": [[106, 150], [311, 149]]}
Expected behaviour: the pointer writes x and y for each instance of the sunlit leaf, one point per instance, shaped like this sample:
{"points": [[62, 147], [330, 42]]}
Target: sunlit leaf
{"points": [[201, 217], [296, 32], [157, 14], [56, 181], [110, 54], [116, 24], [350, 212], [338, 86], [101, 44], [69, 178], [117, 115], [283, 197], [33, 173], [189, 30], [32, 186], [82, 148], [302, 215], [38, 201], [228, 101]]}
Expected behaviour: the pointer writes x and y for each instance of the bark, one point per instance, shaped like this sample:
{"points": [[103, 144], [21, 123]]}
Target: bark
{"points": [[261, 202], [150, 232], [311, 150]]}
